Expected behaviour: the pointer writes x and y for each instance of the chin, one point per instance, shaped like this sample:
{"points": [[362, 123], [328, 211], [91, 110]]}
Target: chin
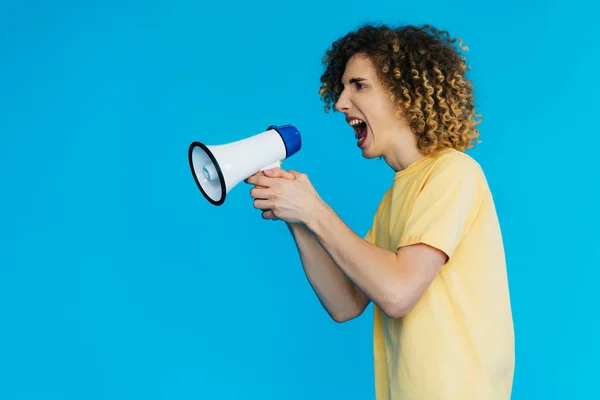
{"points": [[369, 149], [368, 153]]}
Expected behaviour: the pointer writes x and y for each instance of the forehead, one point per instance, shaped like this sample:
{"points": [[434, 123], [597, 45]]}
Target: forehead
{"points": [[359, 66]]}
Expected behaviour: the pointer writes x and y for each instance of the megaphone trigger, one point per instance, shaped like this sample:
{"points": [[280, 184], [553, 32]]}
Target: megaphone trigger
{"points": [[271, 166], [217, 169]]}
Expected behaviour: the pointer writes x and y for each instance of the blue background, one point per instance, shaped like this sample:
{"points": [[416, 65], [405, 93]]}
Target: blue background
{"points": [[119, 281]]}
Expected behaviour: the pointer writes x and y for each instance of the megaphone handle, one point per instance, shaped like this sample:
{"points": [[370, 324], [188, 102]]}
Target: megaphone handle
{"points": [[276, 164]]}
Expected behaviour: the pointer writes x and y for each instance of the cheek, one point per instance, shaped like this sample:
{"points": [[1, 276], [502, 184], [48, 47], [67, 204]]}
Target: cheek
{"points": [[386, 115], [377, 120]]}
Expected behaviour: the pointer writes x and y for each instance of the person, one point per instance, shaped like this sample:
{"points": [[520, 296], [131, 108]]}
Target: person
{"points": [[432, 263]]}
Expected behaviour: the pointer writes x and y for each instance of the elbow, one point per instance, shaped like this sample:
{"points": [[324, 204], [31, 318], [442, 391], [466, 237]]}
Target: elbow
{"points": [[400, 299], [395, 311], [341, 317], [352, 312], [398, 307]]}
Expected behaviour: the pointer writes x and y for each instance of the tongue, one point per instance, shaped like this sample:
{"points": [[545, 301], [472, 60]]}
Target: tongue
{"points": [[360, 130], [362, 134]]}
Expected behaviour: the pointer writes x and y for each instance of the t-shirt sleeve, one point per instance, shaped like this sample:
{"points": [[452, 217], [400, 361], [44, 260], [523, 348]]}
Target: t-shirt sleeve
{"points": [[445, 207], [369, 236]]}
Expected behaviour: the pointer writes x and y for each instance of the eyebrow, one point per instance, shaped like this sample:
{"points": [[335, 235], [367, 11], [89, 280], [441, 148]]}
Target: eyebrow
{"points": [[355, 80]]}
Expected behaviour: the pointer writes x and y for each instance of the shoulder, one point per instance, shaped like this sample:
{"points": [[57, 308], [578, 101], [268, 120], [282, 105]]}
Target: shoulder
{"points": [[457, 160], [453, 164]]}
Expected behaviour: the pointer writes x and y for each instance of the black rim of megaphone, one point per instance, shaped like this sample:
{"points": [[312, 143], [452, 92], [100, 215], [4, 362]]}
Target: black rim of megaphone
{"points": [[216, 164]]}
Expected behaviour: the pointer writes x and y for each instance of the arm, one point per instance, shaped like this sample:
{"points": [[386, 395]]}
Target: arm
{"points": [[342, 300], [393, 281], [440, 215]]}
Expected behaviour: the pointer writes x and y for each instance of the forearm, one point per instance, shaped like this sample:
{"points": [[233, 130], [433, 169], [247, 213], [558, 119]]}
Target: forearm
{"points": [[335, 291], [371, 268]]}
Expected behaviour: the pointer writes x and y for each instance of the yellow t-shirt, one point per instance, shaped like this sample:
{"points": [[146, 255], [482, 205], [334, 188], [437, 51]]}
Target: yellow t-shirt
{"points": [[458, 342]]}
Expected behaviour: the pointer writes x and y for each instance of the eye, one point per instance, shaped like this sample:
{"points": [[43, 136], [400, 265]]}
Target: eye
{"points": [[359, 85]]}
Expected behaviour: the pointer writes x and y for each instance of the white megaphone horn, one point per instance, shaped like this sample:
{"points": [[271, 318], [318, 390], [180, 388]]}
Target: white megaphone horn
{"points": [[217, 169]]}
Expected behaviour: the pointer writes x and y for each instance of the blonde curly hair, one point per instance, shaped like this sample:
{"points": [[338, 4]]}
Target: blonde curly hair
{"points": [[425, 75]]}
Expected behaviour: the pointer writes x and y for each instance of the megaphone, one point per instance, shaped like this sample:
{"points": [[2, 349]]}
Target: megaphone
{"points": [[218, 168]]}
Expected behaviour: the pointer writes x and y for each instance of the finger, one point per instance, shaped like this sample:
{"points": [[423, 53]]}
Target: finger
{"points": [[268, 214], [297, 175], [261, 204], [261, 180], [259, 192], [278, 173], [247, 180]]}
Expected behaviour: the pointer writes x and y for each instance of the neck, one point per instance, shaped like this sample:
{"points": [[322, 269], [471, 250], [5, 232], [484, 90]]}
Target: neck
{"points": [[403, 151]]}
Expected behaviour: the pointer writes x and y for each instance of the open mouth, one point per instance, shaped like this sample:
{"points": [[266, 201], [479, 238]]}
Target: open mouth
{"points": [[360, 130]]}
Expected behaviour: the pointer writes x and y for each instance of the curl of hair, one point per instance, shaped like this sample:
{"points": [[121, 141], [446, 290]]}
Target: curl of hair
{"points": [[425, 74]]}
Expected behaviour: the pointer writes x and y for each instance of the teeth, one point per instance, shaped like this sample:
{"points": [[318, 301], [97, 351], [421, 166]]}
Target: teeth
{"points": [[354, 122]]}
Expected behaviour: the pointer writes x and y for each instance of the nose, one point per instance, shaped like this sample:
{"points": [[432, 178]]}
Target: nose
{"points": [[343, 103]]}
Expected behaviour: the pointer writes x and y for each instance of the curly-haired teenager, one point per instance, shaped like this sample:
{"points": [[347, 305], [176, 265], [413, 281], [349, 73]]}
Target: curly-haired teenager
{"points": [[432, 262]]}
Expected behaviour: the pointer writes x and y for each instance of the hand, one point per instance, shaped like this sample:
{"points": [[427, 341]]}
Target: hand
{"points": [[285, 195], [272, 173]]}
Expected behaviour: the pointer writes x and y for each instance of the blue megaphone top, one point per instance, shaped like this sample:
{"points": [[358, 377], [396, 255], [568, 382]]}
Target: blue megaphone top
{"points": [[291, 138]]}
